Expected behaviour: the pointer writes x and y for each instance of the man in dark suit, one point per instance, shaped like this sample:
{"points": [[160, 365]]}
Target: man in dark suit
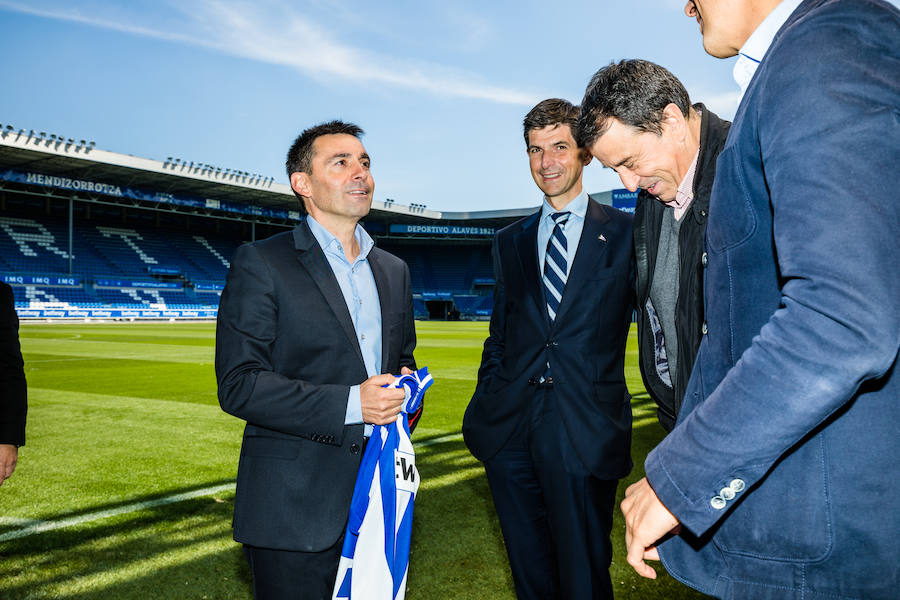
{"points": [[781, 469], [312, 323], [13, 393], [637, 118], [550, 417]]}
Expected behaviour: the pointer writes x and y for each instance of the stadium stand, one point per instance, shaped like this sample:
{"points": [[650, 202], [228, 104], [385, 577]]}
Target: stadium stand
{"points": [[151, 239], [142, 268]]}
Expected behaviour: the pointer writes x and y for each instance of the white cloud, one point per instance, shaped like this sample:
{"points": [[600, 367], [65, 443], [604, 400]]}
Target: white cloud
{"points": [[279, 34], [75, 15]]}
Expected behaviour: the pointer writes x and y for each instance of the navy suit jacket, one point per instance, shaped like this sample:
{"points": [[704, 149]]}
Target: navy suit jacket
{"points": [[783, 464], [585, 344], [286, 356], [13, 392]]}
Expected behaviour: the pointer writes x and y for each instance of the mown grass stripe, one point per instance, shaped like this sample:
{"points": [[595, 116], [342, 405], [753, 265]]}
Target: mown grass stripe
{"points": [[438, 440], [44, 526]]}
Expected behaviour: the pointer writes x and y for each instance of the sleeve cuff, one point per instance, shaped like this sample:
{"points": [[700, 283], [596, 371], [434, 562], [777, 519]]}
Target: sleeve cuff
{"points": [[353, 416], [697, 514]]}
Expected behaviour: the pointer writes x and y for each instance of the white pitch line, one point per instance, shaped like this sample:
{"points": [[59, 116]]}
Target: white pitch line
{"points": [[18, 522], [42, 526], [438, 440]]}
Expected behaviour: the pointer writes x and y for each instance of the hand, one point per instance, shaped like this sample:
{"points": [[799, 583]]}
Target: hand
{"points": [[9, 456], [646, 521], [380, 405], [406, 371]]}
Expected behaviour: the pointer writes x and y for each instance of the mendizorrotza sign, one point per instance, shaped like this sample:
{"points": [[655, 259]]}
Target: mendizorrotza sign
{"points": [[106, 189]]}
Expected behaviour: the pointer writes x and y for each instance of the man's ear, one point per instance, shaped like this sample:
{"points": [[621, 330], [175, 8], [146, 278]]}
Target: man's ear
{"points": [[673, 120], [300, 183], [586, 157]]}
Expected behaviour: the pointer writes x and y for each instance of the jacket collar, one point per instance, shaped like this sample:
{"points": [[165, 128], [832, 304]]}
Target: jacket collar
{"points": [[591, 247], [713, 132], [525, 241], [379, 272], [312, 258]]}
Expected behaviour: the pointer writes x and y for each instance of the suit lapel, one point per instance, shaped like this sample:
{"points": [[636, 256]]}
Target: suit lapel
{"points": [[526, 247], [591, 248], [382, 284], [312, 258]]}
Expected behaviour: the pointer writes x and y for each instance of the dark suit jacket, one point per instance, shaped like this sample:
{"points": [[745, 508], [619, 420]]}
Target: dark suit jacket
{"points": [[795, 390], [13, 394], [585, 344], [286, 356], [648, 217]]}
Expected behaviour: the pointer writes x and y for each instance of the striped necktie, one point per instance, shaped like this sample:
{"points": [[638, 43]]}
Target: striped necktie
{"points": [[555, 270]]}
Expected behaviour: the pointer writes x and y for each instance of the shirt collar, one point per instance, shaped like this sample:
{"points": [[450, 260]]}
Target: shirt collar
{"points": [[685, 192], [329, 242], [578, 207], [754, 49]]}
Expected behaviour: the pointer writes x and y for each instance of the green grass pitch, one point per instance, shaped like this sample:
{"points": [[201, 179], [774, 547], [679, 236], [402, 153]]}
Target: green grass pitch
{"points": [[124, 416]]}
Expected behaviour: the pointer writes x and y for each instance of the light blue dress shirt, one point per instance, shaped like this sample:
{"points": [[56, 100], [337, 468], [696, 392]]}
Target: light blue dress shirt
{"points": [[572, 228], [357, 284]]}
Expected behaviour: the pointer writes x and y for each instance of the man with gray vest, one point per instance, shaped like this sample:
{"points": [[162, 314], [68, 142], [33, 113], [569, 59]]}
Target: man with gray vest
{"points": [[637, 119]]}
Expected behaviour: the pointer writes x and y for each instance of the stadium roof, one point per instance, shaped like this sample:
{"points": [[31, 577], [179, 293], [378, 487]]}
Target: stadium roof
{"points": [[81, 161]]}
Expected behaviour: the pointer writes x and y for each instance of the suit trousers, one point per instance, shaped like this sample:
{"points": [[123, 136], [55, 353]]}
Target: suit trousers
{"points": [[556, 517], [288, 575]]}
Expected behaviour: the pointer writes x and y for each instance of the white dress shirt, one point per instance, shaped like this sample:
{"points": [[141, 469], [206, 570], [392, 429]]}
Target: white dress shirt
{"points": [[756, 46]]}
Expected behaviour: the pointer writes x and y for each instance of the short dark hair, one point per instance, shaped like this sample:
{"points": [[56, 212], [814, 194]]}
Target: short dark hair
{"points": [[300, 154], [552, 111], [634, 92]]}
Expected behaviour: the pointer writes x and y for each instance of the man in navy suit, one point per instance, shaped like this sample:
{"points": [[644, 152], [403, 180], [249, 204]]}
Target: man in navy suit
{"points": [[781, 470], [550, 417], [311, 324]]}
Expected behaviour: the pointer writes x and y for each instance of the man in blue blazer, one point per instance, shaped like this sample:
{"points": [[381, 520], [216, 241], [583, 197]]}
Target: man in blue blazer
{"points": [[311, 324], [782, 468], [550, 416]]}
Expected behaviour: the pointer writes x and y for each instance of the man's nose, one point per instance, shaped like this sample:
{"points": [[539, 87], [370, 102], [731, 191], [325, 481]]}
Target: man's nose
{"points": [[629, 180]]}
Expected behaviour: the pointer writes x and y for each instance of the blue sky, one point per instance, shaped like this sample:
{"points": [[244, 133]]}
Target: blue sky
{"points": [[440, 88]]}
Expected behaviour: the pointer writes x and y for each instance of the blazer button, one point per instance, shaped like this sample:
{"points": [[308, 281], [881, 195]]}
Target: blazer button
{"points": [[727, 493], [704, 329], [718, 502], [737, 485], [704, 259], [354, 448]]}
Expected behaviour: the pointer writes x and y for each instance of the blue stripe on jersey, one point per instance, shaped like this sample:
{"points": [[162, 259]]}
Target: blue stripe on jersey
{"points": [[387, 474]]}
